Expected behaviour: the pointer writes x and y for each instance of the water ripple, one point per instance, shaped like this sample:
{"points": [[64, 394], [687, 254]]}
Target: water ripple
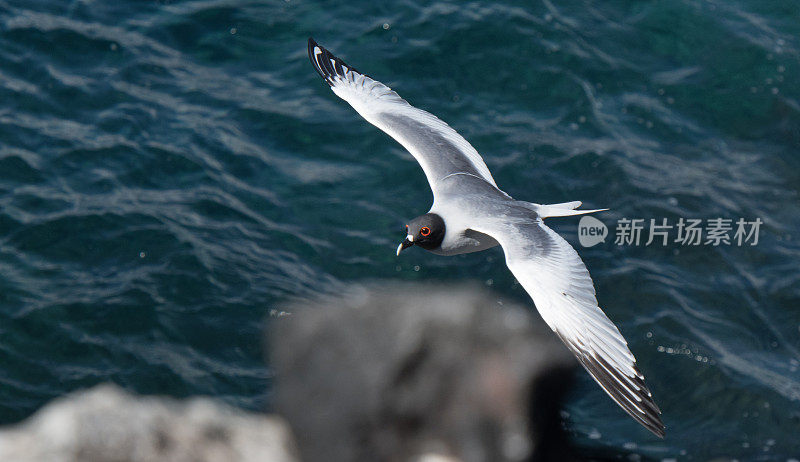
{"points": [[169, 174]]}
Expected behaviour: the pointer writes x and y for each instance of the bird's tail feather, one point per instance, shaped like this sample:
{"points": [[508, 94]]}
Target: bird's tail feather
{"points": [[565, 205], [564, 209]]}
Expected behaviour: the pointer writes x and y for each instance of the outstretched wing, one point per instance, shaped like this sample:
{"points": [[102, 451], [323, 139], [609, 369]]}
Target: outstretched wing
{"points": [[437, 147], [558, 282]]}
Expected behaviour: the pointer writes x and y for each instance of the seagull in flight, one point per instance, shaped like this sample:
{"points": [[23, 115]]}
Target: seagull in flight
{"points": [[471, 213]]}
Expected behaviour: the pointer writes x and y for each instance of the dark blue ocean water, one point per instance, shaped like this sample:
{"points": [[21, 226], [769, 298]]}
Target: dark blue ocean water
{"points": [[170, 172]]}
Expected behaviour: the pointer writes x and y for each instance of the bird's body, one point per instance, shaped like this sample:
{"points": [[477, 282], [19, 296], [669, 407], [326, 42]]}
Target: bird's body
{"points": [[457, 211], [470, 213]]}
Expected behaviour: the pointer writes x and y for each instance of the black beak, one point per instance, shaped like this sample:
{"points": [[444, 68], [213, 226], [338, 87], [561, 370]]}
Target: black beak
{"points": [[404, 245]]}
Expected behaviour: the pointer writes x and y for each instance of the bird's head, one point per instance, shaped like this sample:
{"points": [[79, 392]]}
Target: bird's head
{"points": [[426, 231]]}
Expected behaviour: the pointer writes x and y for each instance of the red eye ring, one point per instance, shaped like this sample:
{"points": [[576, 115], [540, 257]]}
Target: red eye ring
{"points": [[425, 231]]}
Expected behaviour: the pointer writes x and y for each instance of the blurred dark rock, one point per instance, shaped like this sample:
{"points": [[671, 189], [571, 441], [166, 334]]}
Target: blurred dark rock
{"points": [[107, 424], [385, 373], [420, 373]]}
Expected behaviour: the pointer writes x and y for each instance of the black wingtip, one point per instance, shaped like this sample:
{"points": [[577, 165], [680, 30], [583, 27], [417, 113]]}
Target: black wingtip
{"points": [[311, 45], [317, 62], [657, 428], [325, 63], [645, 411]]}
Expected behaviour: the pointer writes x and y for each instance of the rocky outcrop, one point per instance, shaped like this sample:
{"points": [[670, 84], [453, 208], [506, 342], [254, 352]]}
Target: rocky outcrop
{"points": [[107, 424], [415, 372], [384, 373]]}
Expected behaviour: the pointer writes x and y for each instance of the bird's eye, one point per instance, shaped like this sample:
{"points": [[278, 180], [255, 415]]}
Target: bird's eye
{"points": [[425, 231]]}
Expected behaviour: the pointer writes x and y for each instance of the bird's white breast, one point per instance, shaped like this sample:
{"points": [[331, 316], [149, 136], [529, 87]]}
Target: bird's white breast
{"points": [[458, 237]]}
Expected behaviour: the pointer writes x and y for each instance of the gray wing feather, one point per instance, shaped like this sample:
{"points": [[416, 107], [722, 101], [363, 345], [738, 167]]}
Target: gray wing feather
{"points": [[558, 282], [439, 149]]}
